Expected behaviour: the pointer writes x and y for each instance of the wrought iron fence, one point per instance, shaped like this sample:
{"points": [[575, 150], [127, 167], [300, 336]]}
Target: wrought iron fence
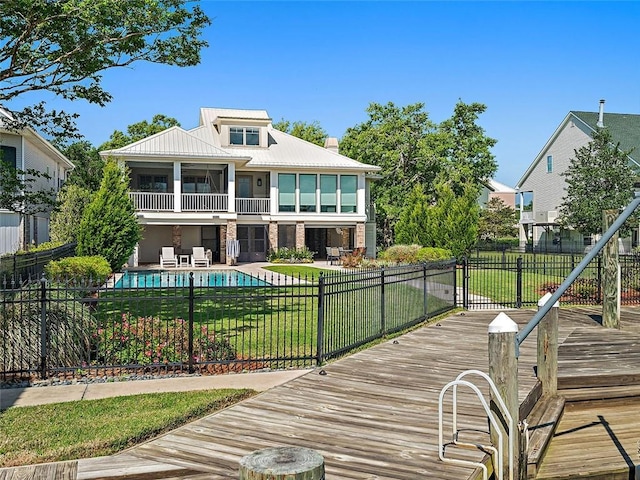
{"points": [[513, 281], [205, 322]]}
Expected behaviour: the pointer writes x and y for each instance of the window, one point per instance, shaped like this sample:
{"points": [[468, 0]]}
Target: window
{"points": [[287, 192], [328, 188], [308, 193], [153, 183], [549, 164], [195, 185], [348, 189], [244, 136], [8, 155]]}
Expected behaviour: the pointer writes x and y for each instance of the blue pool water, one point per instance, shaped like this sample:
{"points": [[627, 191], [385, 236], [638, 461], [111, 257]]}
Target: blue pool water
{"points": [[156, 279]]}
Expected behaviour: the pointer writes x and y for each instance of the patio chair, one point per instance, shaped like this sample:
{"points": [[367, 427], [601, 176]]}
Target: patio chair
{"points": [[168, 258], [335, 255], [199, 258]]}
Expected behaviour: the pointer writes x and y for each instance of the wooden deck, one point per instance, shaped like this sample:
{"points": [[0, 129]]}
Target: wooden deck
{"points": [[374, 415]]}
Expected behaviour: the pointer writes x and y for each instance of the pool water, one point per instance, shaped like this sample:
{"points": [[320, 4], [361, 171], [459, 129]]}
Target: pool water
{"points": [[163, 279]]}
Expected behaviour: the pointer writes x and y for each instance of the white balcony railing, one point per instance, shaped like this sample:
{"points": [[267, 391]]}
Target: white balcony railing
{"points": [[253, 205], [526, 217], [205, 202], [154, 202]]}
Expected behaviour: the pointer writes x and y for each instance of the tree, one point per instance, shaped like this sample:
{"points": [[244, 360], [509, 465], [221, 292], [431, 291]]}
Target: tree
{"points": [[64, 46], [311, 132], [109, 227], [138, 131], [64, 225], [393, 138], [411, 227], [88, 165], [599, 178], [22, 191], [453, 219], [497, 220]]}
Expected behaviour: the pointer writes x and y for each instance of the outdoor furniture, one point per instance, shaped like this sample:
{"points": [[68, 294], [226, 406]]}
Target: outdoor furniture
{"points": [[199, 258], [168, 258], [184, 260], [334, 255]]}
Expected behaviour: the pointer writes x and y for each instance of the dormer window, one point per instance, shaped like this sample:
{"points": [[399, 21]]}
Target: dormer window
{"points": [[244, 136]]}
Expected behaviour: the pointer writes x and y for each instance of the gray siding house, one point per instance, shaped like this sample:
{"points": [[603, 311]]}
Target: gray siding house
{"points": [[542, 187]]}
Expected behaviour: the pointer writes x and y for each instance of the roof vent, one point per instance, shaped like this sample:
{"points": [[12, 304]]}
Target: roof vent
{"points": [[600, 123]]}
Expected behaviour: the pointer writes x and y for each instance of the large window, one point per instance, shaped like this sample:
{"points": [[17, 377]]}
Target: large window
{"points": [[348, 189], [287, 192], [195, 185], [244, 136], [153, 183], [328, 196], [308, 193], [8, 155]]}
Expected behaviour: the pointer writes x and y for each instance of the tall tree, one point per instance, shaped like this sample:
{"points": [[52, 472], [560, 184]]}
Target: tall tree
{"points": [[599, 178], [109, 227], [65, 224], [393, 138], [138, 131], [497, 220], [63, 47], [311, 132], [412, 226], [88, 165]]}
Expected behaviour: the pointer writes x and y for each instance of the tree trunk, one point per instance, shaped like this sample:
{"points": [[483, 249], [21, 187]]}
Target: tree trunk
{"points": [[280, 463]]}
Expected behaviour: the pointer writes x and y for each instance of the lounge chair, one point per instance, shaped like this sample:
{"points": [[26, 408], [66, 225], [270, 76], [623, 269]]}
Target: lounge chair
{"points": [[168, 258], [199, 258]]}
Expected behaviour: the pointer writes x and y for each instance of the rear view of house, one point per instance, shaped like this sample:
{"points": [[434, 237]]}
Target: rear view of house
{"points": [[235, 177]]}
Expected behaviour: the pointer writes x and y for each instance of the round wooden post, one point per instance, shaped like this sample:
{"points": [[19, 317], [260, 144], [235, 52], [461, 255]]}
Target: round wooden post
{"points": [[282, 463], [503, 370], [548, 348], [610, 275]]}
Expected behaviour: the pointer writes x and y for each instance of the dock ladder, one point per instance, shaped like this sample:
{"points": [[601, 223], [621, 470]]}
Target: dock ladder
{"points": [[497, 452]]}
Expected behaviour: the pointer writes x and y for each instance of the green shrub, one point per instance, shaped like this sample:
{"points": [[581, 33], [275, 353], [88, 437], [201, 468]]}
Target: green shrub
{"points": [[147, 340], [90, 271], [414, 254], [43, 247], [291, 255]]}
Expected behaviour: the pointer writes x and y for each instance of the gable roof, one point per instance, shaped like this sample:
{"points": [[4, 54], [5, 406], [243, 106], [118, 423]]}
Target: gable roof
{"points": [[624, 129], [210, 115], [172, 142]]}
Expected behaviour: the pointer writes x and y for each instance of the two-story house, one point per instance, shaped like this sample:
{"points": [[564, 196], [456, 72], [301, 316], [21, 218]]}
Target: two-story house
{"points": [[235, 177], [542, 187], [25, 150]]}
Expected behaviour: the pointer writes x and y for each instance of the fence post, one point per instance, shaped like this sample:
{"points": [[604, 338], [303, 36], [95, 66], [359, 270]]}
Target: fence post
{"points": [[465, 283], [548, 347], [599, 275], [503, 370], [320, 346], [43, 327], [519, 282], [455, 283], [424, 290], [191, 305], [383, 327], [611, 274]]}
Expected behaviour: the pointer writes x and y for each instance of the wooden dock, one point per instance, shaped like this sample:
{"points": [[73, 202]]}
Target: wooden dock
{"points": [[372, 415]]}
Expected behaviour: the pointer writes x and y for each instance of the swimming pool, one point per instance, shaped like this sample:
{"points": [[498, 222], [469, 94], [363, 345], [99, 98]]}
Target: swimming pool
{"points": [[165, 279]]}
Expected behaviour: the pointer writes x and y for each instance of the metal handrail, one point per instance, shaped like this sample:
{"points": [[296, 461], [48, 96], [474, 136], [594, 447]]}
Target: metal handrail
{"points": [[492, 420], [564, 286]]}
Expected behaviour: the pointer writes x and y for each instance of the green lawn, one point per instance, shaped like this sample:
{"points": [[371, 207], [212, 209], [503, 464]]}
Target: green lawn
{"points": [[90, 428]]}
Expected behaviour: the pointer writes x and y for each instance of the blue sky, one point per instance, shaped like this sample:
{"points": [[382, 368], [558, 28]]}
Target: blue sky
{"points": [[530, 63]]}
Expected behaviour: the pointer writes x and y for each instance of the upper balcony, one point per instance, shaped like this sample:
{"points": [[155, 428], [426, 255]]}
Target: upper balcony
{"points": [[198, 202]]}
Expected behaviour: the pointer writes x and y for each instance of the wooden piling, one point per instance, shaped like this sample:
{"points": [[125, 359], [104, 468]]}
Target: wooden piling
{"points": [[282, 463], [548, 347]]}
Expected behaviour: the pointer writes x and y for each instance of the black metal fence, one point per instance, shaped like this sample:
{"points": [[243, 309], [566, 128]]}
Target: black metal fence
{"points": [[513, 281], [22, 267], [209, 321]]}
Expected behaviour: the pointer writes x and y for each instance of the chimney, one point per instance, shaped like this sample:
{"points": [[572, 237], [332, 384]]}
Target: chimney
{"points": [[600, 123], [331, 144]]}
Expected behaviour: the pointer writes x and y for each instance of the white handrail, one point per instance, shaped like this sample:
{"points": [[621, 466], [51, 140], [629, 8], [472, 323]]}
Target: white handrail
{"points": [[492, 420]]}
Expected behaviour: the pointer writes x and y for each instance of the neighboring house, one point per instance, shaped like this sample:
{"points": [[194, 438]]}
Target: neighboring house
{"points": [[235, 177], [28, 150], [542, 187], [493, 189]]}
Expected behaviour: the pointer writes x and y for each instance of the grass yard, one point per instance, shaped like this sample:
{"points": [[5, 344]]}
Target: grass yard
{"points": [[90, 428]]}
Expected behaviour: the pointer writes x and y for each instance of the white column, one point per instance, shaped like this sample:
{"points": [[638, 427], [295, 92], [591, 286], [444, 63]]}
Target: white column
{"points": [[361, 207], [273, 193], [231, 176], [177, 186]]}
